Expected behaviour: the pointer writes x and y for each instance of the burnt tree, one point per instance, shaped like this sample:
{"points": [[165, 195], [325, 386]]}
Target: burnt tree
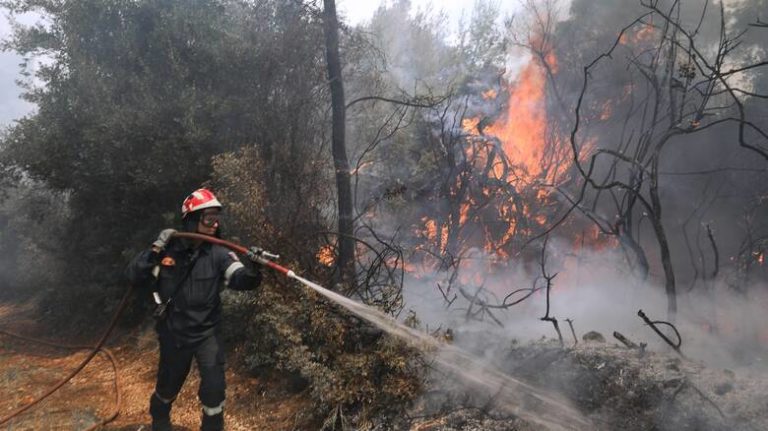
{"points": [[679, 85], [346, 258]]}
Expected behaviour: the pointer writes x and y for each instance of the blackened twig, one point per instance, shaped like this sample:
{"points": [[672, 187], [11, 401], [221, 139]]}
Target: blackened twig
{"points": [[654, 326], [557, 328], [759, 23], [688, 384], [445, 292], [711, 237], [573, 332], [549, 278], [624, 340]]}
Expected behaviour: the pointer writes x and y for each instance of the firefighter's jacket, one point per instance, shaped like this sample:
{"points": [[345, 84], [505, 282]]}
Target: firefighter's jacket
{"points": [[194, 312]]}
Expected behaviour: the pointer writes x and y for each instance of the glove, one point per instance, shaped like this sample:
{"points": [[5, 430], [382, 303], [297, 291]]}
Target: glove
{"points": [[259, 255], [254, 254], [163, 238]]}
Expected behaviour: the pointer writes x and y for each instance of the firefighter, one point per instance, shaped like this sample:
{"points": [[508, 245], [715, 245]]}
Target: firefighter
{"points": [[186, 277]]}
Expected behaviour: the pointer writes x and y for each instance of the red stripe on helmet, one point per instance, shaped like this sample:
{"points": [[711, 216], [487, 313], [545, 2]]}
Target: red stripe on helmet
{"points": [[198, 200]]}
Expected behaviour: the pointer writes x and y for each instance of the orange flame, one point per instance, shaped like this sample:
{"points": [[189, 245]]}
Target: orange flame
{"points": [[606, 111], [645, 33], [532, 156], [522, 135], [470, 125], [522, 129], [463, 214], [551, 61], [326, 256], [436, 234], [490, 94], [362, 166]]}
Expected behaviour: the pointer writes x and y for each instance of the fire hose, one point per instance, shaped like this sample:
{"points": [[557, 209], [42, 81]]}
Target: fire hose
{"points": [[99, 347], [259, 255], [254, 253]]}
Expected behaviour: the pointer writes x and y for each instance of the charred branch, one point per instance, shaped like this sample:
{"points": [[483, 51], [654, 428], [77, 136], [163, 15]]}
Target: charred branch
{"points": [[573, 331], [707, 199], [379, 269], [445, 293], [717, 76], [715, 251], [624, 340], [548, 279], [479, 308], [655, 324], [557, 328], [411, 102], [686, 383], [759, 23]]}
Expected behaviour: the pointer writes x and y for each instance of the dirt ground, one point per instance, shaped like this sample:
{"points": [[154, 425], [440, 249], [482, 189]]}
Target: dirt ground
{"points": [[28, 369], [615, 387]]}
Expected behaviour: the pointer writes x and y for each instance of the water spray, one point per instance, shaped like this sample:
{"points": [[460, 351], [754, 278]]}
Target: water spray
{"points": [[523, 400]]}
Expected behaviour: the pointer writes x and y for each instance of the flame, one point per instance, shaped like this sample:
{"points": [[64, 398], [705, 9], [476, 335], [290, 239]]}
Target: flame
{"points": [[637, 36], [436, 234], [326, 255], [646, 33], [430, 228], [551, 61], [606, 111], [470, 125], [490, 94], [594, 239], [522, 129], [522, 151], [362, 166], [464, 214], [521, 133]]}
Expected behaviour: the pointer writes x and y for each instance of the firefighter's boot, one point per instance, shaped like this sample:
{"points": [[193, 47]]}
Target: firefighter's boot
{"points": [[160, 410], [213, 422]]}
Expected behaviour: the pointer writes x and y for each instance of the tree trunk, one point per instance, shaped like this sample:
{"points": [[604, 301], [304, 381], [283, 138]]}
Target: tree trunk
{"points": [[346, 261], [661, 237]]}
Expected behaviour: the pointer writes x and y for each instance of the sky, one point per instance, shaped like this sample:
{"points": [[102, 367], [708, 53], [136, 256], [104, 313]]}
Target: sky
{"points": [[11, 106], [359, 11]]}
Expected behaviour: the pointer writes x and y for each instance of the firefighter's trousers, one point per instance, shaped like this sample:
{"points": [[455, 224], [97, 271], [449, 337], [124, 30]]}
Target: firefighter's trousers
{"points": [[175, 363]]}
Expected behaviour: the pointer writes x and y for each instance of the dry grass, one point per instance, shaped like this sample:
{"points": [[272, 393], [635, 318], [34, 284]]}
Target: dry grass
{"points": [[27, 369]]}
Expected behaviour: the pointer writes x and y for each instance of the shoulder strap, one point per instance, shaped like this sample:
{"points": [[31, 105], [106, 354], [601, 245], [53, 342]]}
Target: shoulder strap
{"points": [[177, 288]]}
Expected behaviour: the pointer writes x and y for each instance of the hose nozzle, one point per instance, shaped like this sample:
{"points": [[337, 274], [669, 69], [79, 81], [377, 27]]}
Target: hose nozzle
{"points": [[258, 254]]}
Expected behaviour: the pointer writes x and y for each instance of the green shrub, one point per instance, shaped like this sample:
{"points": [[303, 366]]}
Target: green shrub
{"points": [[345, 361], [293, 330]]}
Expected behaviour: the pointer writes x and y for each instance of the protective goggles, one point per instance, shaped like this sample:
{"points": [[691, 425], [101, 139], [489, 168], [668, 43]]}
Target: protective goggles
{"points": [[210, 220]]}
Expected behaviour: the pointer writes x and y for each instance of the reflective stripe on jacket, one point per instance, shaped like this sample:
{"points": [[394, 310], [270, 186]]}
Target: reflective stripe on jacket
{"points": [[195, 309]]}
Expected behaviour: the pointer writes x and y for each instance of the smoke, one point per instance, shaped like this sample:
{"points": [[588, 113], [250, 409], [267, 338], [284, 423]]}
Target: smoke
{"points": [[707, 184], [596, 290], [720, 330]]}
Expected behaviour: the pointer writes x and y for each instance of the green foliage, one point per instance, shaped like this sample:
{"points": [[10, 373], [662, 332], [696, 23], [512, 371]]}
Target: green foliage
{"points": [[32, 221], [345, 363], [291, 329], [260, 215], [137, 96]]}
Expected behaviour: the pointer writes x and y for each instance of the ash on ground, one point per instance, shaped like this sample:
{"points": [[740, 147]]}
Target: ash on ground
{"points": [[615, 387]]}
